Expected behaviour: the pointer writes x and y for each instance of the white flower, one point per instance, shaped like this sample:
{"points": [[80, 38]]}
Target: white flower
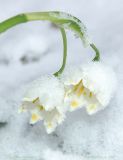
{"points": [[44, 100], [91, 85]]}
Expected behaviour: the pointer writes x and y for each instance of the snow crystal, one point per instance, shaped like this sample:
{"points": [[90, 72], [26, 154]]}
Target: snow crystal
{"points": [[46, 87], [85, 38], [101, 80]]}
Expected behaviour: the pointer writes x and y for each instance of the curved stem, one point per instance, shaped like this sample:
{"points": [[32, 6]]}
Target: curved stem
{"points": [[22, 18], [62, 19], [11, 22], [97, 57], [64, 52], [59, 18]]}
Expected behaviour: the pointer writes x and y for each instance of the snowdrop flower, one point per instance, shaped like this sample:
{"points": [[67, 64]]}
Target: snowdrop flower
{"points": [[91, 85], [44, 100]]}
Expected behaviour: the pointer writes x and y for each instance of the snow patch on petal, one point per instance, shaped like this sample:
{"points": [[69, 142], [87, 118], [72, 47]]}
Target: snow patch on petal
{"points": [[101, 80], [72, 75], [44, 100], [46, 88]]}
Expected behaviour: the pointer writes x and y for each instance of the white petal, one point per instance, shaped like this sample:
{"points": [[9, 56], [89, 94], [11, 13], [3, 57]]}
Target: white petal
{"points": [[52, 120], [48, 89], [101, 80], [96, 78], [72, 75]]}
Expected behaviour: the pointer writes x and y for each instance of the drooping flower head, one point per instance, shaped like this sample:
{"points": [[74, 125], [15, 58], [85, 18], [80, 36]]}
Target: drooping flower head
{"points": [[44, 100], [91, 85]]}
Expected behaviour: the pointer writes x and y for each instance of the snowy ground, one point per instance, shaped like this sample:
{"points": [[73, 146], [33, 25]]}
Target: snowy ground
{"points": [[30, 50]]}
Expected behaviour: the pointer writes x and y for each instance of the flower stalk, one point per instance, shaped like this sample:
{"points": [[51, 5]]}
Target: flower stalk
{"points": [[97, 57], [62, 20], [64, 52]]}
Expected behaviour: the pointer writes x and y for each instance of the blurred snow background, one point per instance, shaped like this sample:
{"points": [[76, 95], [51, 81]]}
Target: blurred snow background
{"points": [[30, 50]]}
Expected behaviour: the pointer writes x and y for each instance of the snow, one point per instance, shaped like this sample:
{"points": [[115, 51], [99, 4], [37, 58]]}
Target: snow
{"points": [[51, 155], [30, 50]]}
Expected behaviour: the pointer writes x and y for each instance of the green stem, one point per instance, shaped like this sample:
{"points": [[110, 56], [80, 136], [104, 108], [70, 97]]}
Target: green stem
{"points": [[63, 20], [97, 57], [64, 52], [11, 22], [59, 18]]}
